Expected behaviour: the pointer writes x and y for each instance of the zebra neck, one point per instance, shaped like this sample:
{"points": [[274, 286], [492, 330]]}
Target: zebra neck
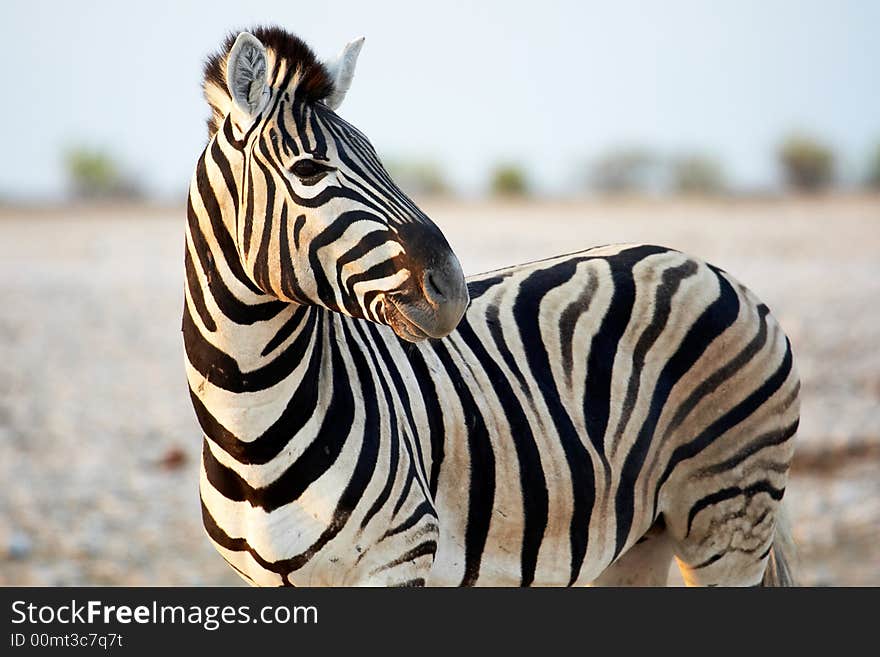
{"points": [[330, 381], [244, 347], [268, 376]]}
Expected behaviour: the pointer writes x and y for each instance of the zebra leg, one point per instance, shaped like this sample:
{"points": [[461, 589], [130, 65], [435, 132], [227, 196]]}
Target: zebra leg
{"points": [[729, 537], [723, 503], [740, 548], [645, 564]]}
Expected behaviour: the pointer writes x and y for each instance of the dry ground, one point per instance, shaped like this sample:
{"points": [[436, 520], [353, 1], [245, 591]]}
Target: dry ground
{"points": [[99, 449]]}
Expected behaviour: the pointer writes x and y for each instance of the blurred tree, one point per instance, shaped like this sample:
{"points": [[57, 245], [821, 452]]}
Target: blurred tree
{"points": [[418, 177], [94, 174], [697, 174], [874, 170], [624, 171], [807, 163], [509, 180]]}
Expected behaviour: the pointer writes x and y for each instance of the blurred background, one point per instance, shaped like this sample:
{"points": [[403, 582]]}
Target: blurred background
{"points": [[747, 133]]}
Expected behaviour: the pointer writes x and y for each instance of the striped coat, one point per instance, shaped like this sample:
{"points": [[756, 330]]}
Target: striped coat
{"points": [[588, 417]]}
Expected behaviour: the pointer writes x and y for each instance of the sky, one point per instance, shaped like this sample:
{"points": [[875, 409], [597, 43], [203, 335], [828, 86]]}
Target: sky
{"points": [[548, 85]]}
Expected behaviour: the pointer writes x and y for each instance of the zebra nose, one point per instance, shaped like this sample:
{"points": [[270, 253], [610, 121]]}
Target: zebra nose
{"points": [[435, 286], [445, 289], [444, 285]]}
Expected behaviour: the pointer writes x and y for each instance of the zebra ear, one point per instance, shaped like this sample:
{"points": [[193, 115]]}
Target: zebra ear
{"points": [[341, 71], [246, 74]]}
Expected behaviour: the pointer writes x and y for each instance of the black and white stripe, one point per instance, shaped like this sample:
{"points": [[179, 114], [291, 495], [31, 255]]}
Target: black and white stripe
{"points": [[588, 417]]}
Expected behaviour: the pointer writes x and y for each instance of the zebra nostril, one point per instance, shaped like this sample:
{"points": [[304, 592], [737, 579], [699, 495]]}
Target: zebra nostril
{"points": [[433, 290]]}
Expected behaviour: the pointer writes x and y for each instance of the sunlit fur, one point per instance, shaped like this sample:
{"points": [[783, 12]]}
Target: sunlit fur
{"points": [[590, 418]]}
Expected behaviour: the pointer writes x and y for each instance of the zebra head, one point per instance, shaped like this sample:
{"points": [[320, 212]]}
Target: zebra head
{"points": [[317, 219]]}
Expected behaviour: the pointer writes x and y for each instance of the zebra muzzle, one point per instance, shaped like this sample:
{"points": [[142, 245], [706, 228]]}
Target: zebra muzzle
{"points": [[435, 308]]}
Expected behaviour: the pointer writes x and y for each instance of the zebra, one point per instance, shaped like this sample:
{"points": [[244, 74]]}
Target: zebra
{"points": [[371, 417]]}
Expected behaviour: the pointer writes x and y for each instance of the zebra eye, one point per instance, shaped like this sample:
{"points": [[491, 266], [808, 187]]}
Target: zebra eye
{"points": [[310, 171]]}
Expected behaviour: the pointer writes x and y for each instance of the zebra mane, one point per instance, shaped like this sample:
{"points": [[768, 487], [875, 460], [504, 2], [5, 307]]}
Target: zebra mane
{"points": [[315, 82]]}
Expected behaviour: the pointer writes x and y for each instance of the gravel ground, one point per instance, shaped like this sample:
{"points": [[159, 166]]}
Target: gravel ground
{"points": [[99, 448]]}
